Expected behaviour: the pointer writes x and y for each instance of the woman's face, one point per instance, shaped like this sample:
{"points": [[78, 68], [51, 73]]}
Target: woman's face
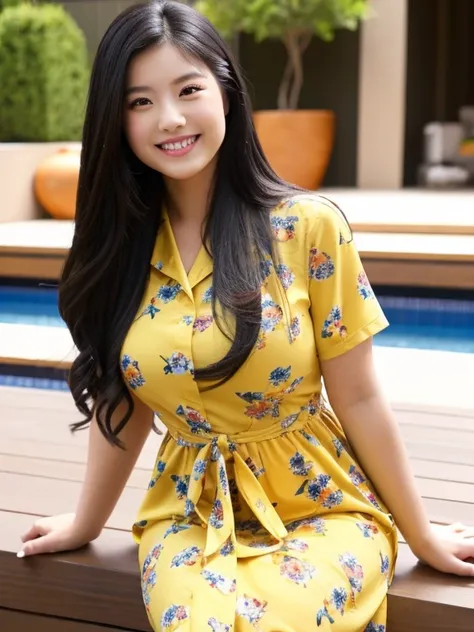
{"points": [[174, 112]]}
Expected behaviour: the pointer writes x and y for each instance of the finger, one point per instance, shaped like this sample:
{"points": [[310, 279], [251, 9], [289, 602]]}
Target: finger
{"points": [[44, 544], [33, 532], [464, 569]]}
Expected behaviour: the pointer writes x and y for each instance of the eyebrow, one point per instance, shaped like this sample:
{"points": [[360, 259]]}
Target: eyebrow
{"points": [[187, 77]]}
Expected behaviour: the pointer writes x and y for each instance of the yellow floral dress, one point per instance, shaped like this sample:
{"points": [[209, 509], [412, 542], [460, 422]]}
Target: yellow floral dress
{"points": [[257, 515]]}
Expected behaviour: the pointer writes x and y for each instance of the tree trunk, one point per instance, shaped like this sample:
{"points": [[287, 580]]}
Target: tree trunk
{"points": [[296, 42]]}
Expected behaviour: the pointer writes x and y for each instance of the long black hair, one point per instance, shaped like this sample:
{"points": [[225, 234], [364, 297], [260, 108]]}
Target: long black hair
{"points": [[119, 212]]}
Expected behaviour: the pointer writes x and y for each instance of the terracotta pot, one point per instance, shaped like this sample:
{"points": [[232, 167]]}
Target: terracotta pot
{"points": [[297, 143], [55, 183]]}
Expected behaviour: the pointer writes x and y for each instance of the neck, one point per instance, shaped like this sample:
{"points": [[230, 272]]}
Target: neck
{"points": [[188, 200]]}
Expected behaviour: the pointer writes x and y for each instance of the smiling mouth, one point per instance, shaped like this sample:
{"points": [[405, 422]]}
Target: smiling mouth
{"points": [[179, 146]]}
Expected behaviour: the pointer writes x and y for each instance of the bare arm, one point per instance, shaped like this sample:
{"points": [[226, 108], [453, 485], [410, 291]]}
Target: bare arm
{"points": [[108, 469], [370, 426]]}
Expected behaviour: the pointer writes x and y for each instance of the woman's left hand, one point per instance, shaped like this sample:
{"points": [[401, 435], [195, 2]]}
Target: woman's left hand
{"points": [[447, 548]]}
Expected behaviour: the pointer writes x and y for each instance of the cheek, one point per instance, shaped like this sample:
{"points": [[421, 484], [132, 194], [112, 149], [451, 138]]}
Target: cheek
{"points": [[135, 130], [214, 120]]}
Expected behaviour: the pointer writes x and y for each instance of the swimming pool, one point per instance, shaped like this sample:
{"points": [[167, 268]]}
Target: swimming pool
{"points": [[415, 322]]}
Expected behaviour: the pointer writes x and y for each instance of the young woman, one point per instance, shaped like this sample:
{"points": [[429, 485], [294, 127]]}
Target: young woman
{"points": [[202, 289]]}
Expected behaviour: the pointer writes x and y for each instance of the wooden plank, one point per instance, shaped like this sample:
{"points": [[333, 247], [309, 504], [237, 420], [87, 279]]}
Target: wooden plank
{"points": [[15, 621], [63, 452], [430, 274], [442, 454], [44, 497], [430, 419], [40, 267], [98, 584], [61, 470], [406, 210], [438, 436], [446, 490], [446, 471]]}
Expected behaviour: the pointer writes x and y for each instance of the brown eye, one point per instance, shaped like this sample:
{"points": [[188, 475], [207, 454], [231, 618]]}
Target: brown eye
{"points": [[189, 90], [141, 101]]}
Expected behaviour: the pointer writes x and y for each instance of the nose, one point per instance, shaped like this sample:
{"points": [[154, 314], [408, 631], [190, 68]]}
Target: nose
{"points": [[171, 119]]}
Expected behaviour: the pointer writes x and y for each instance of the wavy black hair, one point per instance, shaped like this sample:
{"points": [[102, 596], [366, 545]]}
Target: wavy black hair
{"points": [[118, 214]]}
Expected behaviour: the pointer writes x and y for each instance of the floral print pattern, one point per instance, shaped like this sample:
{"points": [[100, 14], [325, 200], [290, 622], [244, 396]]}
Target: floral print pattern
{"points": [[158, 471], [175, 528], [353, 571], [256, 474], [318, 489], [165, 294], [181, 485], [284, 228], [368, 530], [299, 466], [216, 626], [131, 372], [263, 404], [187, 557], [207, 296], [315, 524], [296, 570], [173, 617], [203, 323], [375, 627], [216, 519], [196, 422], [149, 574], [251, 609], [178, 364], [333, 324], [363, 286], [335, 604], [272, 314], [295, 328], [285, 275], [321, 266], [215, 580]]}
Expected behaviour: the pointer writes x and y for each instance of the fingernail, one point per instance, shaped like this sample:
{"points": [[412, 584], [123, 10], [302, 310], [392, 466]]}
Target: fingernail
{"points": [[20, 554]]}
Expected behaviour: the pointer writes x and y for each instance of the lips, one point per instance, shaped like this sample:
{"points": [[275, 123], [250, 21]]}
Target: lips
{"points": [[179, 143]]}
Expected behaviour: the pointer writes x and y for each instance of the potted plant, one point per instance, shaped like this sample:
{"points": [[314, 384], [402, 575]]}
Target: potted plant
{"points": [[43, 87], [294, 23]]}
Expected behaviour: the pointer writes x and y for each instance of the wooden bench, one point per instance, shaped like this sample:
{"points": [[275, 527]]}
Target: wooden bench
{"points": [[98, 588]]}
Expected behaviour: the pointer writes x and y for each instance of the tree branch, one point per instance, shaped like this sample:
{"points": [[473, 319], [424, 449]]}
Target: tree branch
{"points": [[303, 41], [285, 86]]}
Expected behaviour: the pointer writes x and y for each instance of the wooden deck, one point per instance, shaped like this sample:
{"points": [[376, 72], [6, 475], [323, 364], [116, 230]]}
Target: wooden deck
{"points": [[405, 237], [98, 589]]}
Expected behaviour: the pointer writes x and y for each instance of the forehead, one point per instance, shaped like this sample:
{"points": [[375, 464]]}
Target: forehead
{"points": [[161, 64]]}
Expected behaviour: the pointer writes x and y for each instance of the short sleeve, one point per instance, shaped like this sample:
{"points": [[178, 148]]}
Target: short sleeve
{"points": [[343, 306]]}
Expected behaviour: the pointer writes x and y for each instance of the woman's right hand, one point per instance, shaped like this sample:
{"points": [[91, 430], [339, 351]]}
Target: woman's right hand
{"points": [[50, 535]]}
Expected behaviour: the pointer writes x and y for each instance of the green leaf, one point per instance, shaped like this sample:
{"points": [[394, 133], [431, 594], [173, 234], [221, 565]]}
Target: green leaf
{"points": [[274, 18], [44, 74]]}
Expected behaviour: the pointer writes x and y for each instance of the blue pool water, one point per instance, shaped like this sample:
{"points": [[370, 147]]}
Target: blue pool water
{"points": [[420, 323]]}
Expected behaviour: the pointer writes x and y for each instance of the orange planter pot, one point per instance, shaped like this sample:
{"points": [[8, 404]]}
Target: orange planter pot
{"points": [[297, 143], [55, 183]]}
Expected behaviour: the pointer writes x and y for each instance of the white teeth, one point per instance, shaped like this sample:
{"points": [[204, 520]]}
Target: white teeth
{"points": [[182, 145]]}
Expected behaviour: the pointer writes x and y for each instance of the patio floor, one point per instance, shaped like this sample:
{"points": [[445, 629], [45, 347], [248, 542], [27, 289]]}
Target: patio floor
{"points": [[98, 589]]}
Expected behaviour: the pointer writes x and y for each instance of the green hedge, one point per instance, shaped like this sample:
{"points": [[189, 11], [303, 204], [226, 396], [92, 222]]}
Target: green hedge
{"points": [[44, 73], [9, 3]]}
